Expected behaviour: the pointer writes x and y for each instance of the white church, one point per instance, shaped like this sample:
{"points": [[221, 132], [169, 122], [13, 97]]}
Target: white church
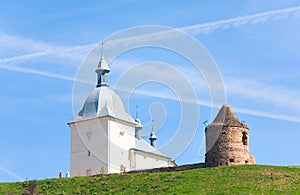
{"points": [[106, 139]]}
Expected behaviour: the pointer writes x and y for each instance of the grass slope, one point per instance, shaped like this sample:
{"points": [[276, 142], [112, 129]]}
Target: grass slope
{"points": [[240, 179]]}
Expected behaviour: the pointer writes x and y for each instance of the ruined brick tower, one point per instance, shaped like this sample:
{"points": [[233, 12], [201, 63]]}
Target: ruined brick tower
{"points": [[227, 140]]}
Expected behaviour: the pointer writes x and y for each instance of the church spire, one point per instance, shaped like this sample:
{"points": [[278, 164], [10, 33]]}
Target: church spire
{"points": [[102, 70]]}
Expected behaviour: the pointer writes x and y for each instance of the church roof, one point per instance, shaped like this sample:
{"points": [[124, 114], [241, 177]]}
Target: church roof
{"points": [[103, 101], [227, 117], [141, 144]]}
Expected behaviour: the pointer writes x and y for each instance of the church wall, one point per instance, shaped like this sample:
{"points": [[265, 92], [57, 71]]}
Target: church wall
{"points": [[89, 147], [121, 139], [147, 161]]}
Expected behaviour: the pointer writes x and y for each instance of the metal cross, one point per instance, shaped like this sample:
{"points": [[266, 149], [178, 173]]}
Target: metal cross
{"points": [[102, 45]]}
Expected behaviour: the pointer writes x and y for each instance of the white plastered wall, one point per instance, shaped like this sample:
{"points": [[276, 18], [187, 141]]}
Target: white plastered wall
{"points": [[144, 160], [89, 146], [122, 138]]}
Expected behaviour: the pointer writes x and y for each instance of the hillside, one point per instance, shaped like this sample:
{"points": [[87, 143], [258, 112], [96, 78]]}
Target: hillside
{"points": [[254, 179]]}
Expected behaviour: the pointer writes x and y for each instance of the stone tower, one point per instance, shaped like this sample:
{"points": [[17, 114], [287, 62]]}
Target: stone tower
{"points": [[227, 140]]}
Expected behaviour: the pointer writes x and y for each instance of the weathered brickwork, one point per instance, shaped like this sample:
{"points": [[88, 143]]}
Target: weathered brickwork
{"points": [[227, 140]]}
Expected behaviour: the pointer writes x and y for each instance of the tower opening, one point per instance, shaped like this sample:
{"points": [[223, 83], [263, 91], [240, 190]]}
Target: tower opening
{"points": [[245, 138]]}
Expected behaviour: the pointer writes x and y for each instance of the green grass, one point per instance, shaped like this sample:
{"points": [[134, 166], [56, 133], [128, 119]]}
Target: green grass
{"points": [[240, 179]]}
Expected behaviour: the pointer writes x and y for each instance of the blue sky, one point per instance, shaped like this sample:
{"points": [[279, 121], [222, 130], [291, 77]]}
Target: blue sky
{"points": [[42, 45]]}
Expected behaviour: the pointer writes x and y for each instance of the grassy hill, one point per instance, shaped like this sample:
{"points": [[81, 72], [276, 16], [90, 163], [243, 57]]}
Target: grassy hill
{"points": [[240, 179]]}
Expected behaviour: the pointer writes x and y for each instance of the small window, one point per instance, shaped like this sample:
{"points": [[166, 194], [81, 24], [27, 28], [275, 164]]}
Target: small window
{"points": [[122, 168], [223, 133], [88, 172], [220, 164], [231, 160], [121, 133], [246, 162], [245, 138], [89, 153]]}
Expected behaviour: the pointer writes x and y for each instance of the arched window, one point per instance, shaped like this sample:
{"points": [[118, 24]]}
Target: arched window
{"points": [[245, 138]]}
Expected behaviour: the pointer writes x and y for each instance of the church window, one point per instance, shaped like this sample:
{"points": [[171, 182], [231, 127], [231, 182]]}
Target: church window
{"points": [[88, 172], [122, 168], [245, 138]]}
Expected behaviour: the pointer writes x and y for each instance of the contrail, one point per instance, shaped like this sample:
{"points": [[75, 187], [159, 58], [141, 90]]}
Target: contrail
{"points": [[58, 51], [42, 73], [36, 72], [153, 93], [238, 21], [11, 173], [194, 30], [209, 105]]}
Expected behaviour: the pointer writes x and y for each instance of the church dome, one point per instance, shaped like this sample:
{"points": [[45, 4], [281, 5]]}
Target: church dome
{"points": [[103, 101]]}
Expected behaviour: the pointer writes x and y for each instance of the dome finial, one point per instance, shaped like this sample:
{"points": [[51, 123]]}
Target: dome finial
{"points": [[152, 137], [138, 126], [102, 69]]}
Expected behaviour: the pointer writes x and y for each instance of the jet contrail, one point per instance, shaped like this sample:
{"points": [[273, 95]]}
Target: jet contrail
{"points": [[11, 173], [238, 21], [209, 105], [152, 93], [58, 51], [42, 73], [194, 30], [36, 72]]}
